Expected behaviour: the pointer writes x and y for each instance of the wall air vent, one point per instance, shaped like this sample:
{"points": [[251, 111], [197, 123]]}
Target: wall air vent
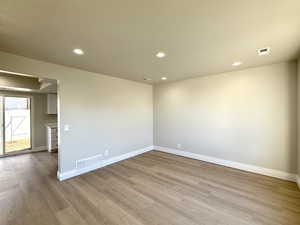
{"points": [[87, 162], [263, 51]]}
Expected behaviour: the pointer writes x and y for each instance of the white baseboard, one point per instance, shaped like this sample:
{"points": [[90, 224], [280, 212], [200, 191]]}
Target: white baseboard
{"points": [[246, 167], [106, 162], [34, 149], [40, 148], [237, 165]]}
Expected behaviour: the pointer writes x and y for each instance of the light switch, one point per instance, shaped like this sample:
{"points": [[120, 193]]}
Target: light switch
{"points": [[67, 127]]}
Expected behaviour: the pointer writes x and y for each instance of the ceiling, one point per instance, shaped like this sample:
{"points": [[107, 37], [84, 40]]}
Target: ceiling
{"points": [[121, 38]]}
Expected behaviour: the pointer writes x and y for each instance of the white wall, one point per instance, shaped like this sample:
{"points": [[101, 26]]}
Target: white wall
{"points": [[246, 116], [103, 112]]}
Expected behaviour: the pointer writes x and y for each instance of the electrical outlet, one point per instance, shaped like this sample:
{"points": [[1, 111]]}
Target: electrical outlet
{"points": [[179, 146]]}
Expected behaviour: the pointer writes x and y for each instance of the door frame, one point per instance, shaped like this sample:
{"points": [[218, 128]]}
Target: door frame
{"points": [[3, 126]]}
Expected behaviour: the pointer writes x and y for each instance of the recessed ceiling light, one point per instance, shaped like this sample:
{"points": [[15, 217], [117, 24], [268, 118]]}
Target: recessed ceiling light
{"points": [[236, 63], [160, 54], [78, 51], [264, 51], [164, 78], [147, 79]]}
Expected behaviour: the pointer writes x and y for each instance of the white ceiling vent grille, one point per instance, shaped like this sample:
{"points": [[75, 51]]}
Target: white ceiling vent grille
{"points": [[87, 162], [263, 51]]}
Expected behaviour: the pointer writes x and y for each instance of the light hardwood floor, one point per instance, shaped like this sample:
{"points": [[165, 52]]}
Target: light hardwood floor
{"points": [[151, 189]]}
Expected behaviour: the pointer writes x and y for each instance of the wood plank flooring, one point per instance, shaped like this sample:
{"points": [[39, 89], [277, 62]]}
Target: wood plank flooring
{"points": [[151, 189]]}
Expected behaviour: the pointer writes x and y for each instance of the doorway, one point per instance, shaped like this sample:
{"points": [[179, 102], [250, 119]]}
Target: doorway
{"points": [[15, 118]]}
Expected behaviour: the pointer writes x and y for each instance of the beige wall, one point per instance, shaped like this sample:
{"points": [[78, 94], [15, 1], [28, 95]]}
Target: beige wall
{"points": [[246, 116], [15, 81], [103, 112], [39, 116], [299, 119]]}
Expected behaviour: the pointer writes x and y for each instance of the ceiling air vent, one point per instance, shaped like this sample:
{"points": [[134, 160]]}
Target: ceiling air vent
{"points": [[264, 51]]}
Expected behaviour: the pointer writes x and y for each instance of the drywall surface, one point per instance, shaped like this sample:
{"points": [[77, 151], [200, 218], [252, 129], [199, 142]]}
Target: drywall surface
{"points": [[103, 113], [39, 116], [298, 121], [15, 81], [248, 116]]}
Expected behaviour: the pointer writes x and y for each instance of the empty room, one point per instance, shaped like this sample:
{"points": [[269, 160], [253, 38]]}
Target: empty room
{"points": [[150, 112]]}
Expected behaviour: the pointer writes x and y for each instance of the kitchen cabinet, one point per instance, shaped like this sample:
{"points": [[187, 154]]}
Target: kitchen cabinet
{"points": [[52, 140]]}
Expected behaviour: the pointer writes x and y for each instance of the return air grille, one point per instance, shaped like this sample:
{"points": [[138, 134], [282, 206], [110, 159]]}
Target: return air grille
{"points": [[87, 162]]}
